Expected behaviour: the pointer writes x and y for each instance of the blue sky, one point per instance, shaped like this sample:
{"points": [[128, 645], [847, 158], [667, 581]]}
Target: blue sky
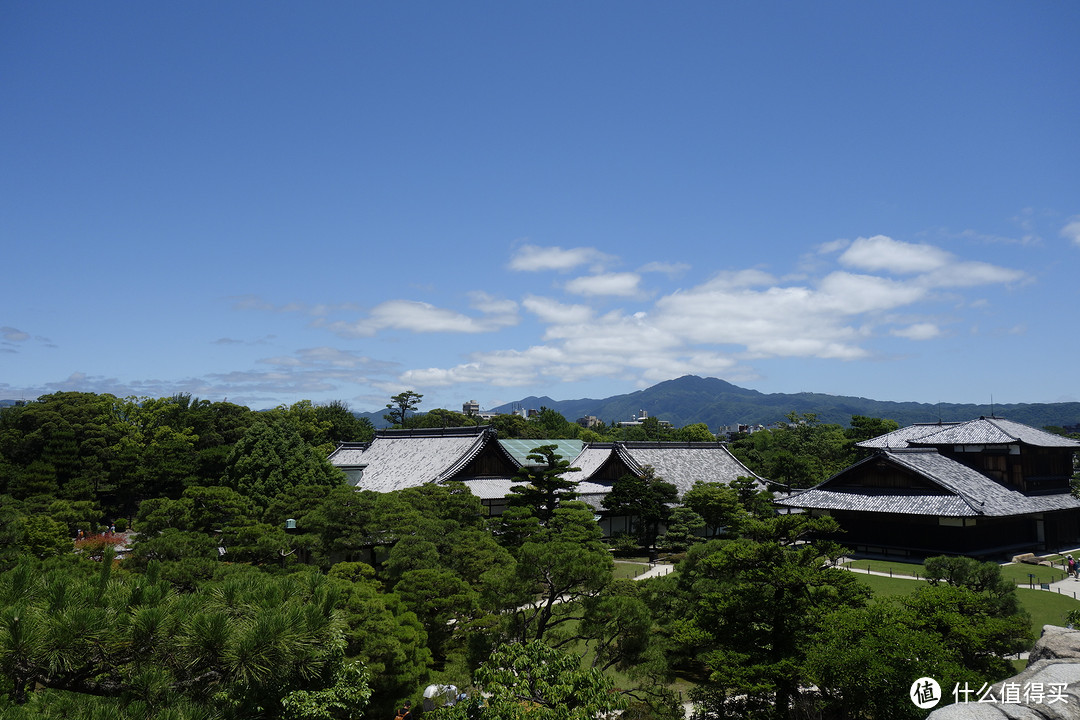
{"points": [[269, 201]]}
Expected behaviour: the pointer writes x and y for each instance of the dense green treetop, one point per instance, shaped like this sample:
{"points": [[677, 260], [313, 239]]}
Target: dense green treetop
{"points": [[532, 681], [541, 486], [800, 454], [648, 498], [271, 458], [400, 406], [242, 647]]}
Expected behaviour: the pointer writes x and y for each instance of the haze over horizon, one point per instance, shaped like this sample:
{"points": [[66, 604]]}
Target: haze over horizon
{"points": [[476, 201]]}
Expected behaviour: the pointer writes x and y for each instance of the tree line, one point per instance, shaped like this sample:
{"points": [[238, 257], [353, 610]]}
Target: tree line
{"points": [[220, 608]]}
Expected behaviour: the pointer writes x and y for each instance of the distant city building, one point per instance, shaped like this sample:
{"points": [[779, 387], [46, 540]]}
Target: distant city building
{"points": [[472, 409], [640, 419], [589, 421], [731, 431]]}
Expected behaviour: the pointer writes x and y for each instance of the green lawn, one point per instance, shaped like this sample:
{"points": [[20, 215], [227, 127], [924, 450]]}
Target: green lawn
{"points": [[1017, 572], [896, 567], [1045, 608], [627, 570]]}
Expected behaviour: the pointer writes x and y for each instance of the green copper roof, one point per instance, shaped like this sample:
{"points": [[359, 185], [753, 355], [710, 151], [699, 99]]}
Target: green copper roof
{"points": [[520, 449]]}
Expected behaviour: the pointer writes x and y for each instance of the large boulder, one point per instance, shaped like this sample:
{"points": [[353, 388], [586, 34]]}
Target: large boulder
{"points": [[1053, 670]]}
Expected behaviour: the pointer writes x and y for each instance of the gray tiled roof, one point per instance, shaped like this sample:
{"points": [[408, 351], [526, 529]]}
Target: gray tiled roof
{"points": [[900, 438], [984, 431], [991, 431], [964, 492], [589, 461], [489, 488], [683, 464], [395, 460], [349, 455], [497, 488], [873, 500]]}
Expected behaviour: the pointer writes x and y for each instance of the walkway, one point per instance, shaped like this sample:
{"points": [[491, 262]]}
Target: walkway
{"points": [[1066, 586], [655, 570]]}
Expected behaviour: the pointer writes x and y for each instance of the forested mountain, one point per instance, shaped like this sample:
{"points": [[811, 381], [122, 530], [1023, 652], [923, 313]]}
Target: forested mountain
{"points": [[715, 402], [692, 399]]}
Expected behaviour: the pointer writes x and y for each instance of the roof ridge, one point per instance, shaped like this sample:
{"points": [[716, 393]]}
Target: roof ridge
{"points": [[969, 501], [466, 431], [473, 450], [993, 421]]}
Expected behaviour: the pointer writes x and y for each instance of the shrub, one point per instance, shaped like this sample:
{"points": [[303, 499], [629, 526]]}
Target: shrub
{"points": [[94, 546], [625, 545]]}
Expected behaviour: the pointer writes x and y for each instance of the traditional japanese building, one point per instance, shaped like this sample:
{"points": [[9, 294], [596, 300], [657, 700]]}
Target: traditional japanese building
{"points": [[474, 456], [986, 488]]}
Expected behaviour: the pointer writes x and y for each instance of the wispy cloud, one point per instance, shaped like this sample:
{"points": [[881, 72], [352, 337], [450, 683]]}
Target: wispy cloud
{"points": [[871, 288], [881, 253], [735, 317], [422, 317], [918, 331], [234, 341], [1071, 231], [256, 302], [665, 268], [534, 258], [552, 311], [11, 334], [616, 284]]}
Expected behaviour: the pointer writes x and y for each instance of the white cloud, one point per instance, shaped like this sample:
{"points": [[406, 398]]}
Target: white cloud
{"points": [[13, 335], [866, 289], [423, 317], [881, 253], [931, 266], [617, 284], [255, 302], [1072, 231], [972, 273], [493, 306], [664, 268], [774, 321], [741, 279], [827, 248], [553, 311], [533, 258], [850, 294], [918, 331]]}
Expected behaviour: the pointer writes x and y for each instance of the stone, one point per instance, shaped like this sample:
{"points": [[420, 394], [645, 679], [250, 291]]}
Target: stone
{"points": [[1056, 643], [1054, 661]]}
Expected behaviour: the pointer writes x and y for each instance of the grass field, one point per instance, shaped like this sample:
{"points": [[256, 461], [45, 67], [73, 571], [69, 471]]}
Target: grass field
{"points": [[1018, 572], [895, 567], [1045, 608], [627, 570]]}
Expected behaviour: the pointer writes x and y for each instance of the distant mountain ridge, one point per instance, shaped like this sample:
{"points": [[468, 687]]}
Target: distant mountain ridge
{"points": [[718, 403], [715, 402]]}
